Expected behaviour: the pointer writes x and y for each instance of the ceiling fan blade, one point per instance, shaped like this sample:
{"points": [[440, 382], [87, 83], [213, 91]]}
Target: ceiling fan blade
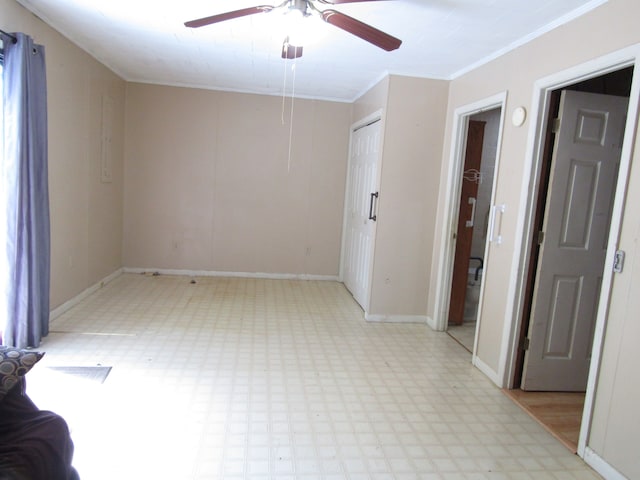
{"points": [[201, 22], [290, 51], [362, 30]]}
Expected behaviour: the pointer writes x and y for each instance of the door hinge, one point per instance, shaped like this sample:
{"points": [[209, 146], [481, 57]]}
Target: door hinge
{"points": [[540, 237], [618, 261], [556, 125], [525, 344]]}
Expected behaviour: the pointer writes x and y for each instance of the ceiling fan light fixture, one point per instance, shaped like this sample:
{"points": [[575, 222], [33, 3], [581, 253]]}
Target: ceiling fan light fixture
{"points": [[292, 23], [301, 29], [290, 51]]}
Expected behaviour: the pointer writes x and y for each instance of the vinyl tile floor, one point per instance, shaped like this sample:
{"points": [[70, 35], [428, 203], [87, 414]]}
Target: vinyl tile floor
{"points": [[464, 334], [236, 378]]}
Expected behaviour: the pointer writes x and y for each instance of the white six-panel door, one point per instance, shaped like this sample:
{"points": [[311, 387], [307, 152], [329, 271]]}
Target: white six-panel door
{"points": [[360, 206], [576, 227]]}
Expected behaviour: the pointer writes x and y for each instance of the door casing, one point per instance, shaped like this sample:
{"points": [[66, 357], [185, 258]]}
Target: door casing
{"points": [[445, 260], [543, 89]]}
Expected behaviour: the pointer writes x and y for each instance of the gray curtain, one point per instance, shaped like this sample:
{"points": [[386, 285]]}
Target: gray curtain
{"points": [[25, 185]]}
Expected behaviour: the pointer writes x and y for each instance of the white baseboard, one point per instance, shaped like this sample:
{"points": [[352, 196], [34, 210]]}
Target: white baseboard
{"points": [[487, 370], [396, 318], [59, 310], [208, 273], [433, 324], [596, 462], [56, 312]]}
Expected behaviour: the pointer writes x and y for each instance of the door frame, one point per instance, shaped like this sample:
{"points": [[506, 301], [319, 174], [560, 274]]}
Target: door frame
{"points": [[542, 91], [451, 206], [377, 116]]}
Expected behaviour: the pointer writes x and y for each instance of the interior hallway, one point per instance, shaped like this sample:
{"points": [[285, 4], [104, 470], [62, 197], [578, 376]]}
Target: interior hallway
{"points": [[246, 378]]}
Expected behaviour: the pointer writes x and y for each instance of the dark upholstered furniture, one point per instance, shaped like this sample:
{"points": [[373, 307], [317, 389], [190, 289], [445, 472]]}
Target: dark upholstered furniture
{"points": [[34, 444]]}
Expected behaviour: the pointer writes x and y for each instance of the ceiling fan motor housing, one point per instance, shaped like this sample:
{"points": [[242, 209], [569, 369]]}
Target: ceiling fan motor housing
{"points": [[300, 5]]}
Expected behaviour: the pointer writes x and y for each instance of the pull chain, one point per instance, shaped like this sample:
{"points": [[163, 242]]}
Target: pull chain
{"points": [[284, 89], [293, 91], [284, 95]]}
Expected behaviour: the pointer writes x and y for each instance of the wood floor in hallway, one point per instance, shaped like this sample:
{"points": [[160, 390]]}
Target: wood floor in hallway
{"points": [[559, 412]]}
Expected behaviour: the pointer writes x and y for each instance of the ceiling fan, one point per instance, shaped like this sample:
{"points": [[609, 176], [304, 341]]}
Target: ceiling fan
{"points": [[306, 8]]}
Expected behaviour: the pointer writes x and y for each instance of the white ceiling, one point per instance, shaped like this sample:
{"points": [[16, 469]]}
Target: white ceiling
{"points": [[146, 41]]}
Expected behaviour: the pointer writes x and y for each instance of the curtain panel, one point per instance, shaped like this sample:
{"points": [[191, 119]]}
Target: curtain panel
{"points": [[26, 193]]}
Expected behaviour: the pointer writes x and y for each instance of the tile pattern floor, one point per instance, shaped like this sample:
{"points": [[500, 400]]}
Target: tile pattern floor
{"points": [[464, 334], [234, 378]]}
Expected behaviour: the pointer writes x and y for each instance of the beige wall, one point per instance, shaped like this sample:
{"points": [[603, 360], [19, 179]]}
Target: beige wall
{"points": [[608, 28], [410, 170], [615, 433], [210, 186], [86, 215], [516, 74], [411, 151], [372, 101]]}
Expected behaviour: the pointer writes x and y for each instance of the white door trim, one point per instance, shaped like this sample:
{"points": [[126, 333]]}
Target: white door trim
{"points": [[451, 206], [515, 297]]}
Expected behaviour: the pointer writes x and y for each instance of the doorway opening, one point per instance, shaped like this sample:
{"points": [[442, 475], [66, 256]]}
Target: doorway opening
{"points": [[476, 193], [573, 212]]}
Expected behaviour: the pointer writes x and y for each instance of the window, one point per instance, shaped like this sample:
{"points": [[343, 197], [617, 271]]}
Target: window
{"points": [[4, 273]]}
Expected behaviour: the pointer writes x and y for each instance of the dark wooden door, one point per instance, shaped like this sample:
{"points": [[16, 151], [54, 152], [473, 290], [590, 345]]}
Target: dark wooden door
{"points": [[464, 234]]}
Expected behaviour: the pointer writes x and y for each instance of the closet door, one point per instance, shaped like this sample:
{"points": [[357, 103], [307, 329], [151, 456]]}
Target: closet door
{"points": [[360, 211]]}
